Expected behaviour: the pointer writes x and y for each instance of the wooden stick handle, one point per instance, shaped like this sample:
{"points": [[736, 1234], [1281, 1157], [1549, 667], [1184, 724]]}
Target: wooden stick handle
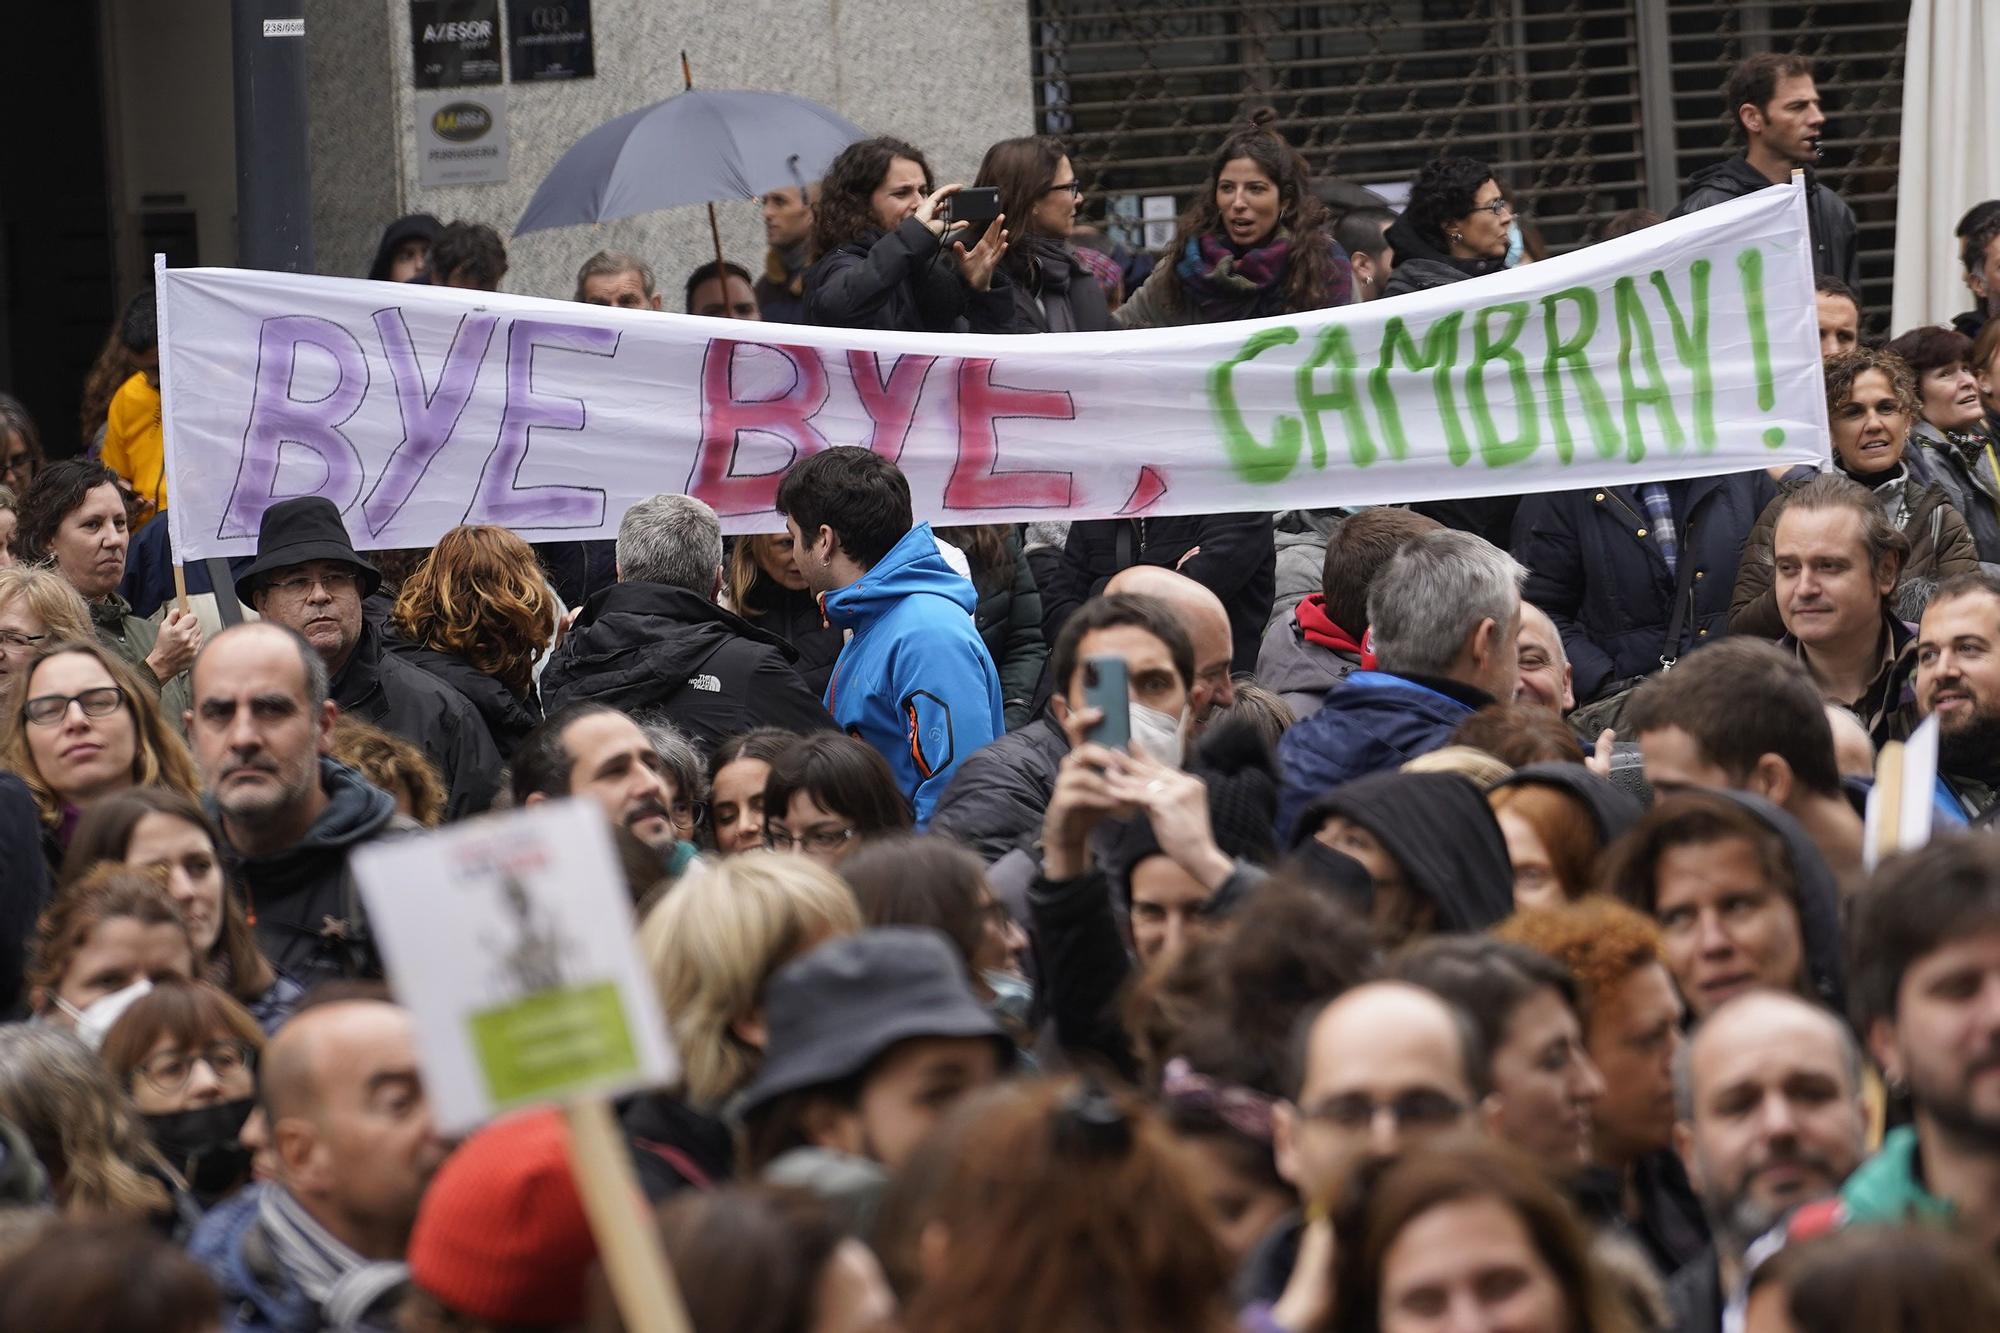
{"points": [[627, 1238], [181, 587]]}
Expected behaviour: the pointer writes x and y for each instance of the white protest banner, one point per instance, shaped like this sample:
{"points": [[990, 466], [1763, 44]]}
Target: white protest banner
{"points": [[510, 938], [1687, 349]]}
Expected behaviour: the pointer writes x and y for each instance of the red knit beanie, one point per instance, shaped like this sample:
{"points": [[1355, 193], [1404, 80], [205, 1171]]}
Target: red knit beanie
{"points": [[501, 1234]]}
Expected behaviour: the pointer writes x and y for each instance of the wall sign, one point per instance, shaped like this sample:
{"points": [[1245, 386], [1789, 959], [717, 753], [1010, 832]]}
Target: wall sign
{"points": [[455, 43], [550, 40], [461, 137]]}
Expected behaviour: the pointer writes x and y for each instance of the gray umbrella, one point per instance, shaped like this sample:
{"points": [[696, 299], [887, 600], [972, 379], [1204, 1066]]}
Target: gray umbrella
{"points": [[693, 148]]}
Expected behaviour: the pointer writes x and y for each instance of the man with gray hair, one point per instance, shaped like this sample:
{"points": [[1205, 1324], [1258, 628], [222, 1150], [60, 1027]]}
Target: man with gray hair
{"points": [[615, 278], [1445, 615], [656, 641]]}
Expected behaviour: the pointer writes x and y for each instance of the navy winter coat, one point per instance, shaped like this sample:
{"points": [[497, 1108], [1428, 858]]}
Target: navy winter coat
{"points": [[1595, 567]]}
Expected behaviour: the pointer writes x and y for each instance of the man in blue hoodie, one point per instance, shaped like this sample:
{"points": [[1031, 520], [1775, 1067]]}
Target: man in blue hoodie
{"points": [[914, 679], [1444, 614]]}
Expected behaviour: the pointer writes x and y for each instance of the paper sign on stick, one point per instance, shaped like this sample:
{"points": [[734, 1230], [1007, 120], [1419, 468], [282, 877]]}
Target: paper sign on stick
{"points": [[1900, 805], [510, 938]]}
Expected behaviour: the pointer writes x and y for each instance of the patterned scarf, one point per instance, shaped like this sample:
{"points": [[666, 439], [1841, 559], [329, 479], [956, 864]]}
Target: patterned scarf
{"points": [[1222, 284]]}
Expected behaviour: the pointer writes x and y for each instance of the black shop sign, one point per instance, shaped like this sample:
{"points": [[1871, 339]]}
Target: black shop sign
{"points": [[455, 43]]}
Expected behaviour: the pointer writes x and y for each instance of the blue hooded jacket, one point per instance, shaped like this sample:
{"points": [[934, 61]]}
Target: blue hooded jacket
{"points": [[915, 680], [1375, 721]]}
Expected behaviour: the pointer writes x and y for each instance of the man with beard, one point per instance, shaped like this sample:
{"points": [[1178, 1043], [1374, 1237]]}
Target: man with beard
{"points": [[596, 751], [1770, 1115], [1958, 682], [1924, 963], [262, 730]]}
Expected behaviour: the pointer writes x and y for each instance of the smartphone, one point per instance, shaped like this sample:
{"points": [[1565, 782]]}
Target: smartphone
{"points": [[1105, 688], [977, 204]]}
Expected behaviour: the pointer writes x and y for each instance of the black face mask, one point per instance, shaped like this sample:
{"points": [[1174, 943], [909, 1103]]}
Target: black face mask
{"points": [[1324, 868], [202, 1145]]}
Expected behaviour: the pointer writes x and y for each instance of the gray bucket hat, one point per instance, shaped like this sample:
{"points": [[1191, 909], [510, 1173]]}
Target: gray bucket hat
{"points": [[830, 1013]]}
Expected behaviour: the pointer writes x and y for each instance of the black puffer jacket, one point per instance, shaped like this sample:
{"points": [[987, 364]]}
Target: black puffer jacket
{"points": [[1009, 617], [404, 700], [1421, 265], [1238, 563], [507, 716], [1000, 793], [1596, 569], [1835, 239], [654, 647], [901, 281], [303, 901]]}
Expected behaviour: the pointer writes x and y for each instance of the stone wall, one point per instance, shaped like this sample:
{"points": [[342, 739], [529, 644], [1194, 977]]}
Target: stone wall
{"points": [[951, 76]]}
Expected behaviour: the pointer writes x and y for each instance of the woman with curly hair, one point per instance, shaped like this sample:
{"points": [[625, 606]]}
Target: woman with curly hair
{"points": [[477, 614], [1455, 227], [880, 233], [1255, 242]]}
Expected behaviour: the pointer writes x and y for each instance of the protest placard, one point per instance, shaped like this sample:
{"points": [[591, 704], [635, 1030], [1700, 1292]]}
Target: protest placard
{"points": [[510, 939], [1688, 349]]}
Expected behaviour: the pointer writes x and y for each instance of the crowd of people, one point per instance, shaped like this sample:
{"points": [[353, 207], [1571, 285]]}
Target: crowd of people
{"points": [[1449, 916]]}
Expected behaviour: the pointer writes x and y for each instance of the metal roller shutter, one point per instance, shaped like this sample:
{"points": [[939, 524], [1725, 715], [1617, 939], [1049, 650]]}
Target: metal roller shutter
{"points": [[1585, 107]]}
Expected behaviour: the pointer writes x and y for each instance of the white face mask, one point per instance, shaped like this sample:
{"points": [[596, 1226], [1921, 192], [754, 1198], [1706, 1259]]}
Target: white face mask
{"points": [[96, 1018], [1163, 736]]}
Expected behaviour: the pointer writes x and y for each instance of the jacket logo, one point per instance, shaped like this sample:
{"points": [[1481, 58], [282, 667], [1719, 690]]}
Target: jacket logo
{"points": [[707, 683]]}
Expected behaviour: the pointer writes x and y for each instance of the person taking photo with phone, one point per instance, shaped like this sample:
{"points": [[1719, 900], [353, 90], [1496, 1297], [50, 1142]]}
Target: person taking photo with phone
{"points": [[1053, 291], [890, 255], [1128, 825]]}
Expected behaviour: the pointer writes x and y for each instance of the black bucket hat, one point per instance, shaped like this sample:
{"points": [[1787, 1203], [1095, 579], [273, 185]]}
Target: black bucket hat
{"points": [[830, 1013], [299, 530]]}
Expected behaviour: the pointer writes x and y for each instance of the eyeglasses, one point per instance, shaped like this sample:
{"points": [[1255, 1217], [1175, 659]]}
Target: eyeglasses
{"points": [[1075, 189], [45, 710], [19, 463], [689, 812], [299, 585], [13, 638], [1422, 1109], [818, 840], [169, 1071], [1499, 208]]}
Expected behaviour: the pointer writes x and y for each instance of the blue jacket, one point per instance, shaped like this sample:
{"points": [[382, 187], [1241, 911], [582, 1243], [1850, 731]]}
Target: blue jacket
{"points": [[1375, 721], [915, 680], [264, 1300]]}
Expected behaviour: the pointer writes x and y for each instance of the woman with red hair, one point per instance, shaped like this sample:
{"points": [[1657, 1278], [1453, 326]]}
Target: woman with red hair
{"points": [[478, 614]]}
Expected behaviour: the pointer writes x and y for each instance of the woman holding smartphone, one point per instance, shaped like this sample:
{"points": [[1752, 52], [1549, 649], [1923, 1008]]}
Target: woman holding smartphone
{"points": [[881, 234], [1053, 292]]}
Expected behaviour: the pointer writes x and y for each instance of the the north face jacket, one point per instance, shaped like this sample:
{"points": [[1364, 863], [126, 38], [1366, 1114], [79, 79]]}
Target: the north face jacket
{"points": [[655, 648], [915, 680]]}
